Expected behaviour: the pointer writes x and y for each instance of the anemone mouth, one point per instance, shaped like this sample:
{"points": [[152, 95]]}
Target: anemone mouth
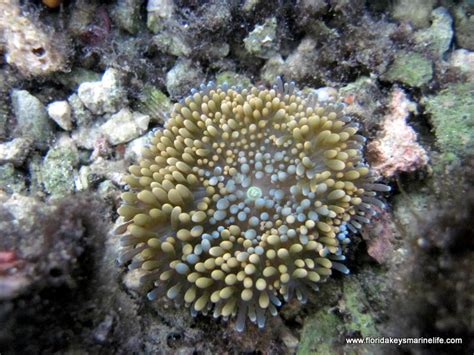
{"points": [[254, 193], [246, 196]]}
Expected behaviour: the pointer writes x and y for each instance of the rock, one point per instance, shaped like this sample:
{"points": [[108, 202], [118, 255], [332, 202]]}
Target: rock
{"points": [[131, 280], [262, 41], [396, 149], [172, 42], [232, 79], [58, 169], [290, 341], [13, 285], [47, 241], [416, 12], [100, 170], [4, 112], [463, 60], [299, 64], [216, 14], [452, 117], [82, 14], [126, 15], [15, 151], [312, 8], [410, 68], [326, 93], [29, 48], [217, 50], [351, 317], [273, 67], [88, 137], [76, 77], [34, 165], [309, 15], [437, 38], [80, 114], [361, 320], [380, 237], [183, 77], [159, 12], [155, 103], [464, 26], [108, 190], [83, 182], [125, 126], [102, 332], [249, 5], [32, 118], [11, 180], [319, 332], [365, 100], [105, 96], [60, 112], [134, 149], [23, 210]]}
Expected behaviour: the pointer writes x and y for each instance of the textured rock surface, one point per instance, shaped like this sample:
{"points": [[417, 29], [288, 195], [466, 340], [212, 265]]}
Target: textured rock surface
{"points": [[463, 60], [124, 126], [105, 96], [437, 38], [172, 43], [32, 118], [232, 79], [11, 180], [417, 12], [135, 148], [397, 149], [272, 68], [15, 151], [182, 77], [261, 42], [28, 47], [80, 114], [155, 103], [410, 68], [452, 115], [464, 25], [158, 13], [126, 14], [58, 170], [60, 112]]}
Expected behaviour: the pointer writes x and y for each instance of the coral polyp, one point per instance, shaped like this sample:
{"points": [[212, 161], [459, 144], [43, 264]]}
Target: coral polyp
{"points": [[245, 198]]}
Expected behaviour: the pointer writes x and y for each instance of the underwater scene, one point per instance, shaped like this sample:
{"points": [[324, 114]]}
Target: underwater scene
{"points": [[237, 177]]}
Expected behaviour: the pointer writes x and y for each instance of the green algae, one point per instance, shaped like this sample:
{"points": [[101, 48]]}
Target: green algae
{"points": [[326, 331], [452, 115], [320, 333], [58, 170], [355, 302], [410, 68], [232, 79], [11, 180], [154, 103]]}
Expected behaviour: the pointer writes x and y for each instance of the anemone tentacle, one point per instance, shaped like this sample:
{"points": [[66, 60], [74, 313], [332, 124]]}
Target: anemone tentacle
{"points": [[246, 197]]}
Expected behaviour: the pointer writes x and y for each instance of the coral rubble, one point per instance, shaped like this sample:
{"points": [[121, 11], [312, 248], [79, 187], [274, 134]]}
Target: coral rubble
{"points": [[397, 150], [28, 47]]}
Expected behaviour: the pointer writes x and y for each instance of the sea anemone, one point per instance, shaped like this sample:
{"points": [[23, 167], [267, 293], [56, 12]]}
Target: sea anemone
{"points": [[246, 197]]}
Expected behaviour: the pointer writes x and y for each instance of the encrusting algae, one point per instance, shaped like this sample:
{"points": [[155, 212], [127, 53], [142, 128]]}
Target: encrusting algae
{"points": [[245, 197]]}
